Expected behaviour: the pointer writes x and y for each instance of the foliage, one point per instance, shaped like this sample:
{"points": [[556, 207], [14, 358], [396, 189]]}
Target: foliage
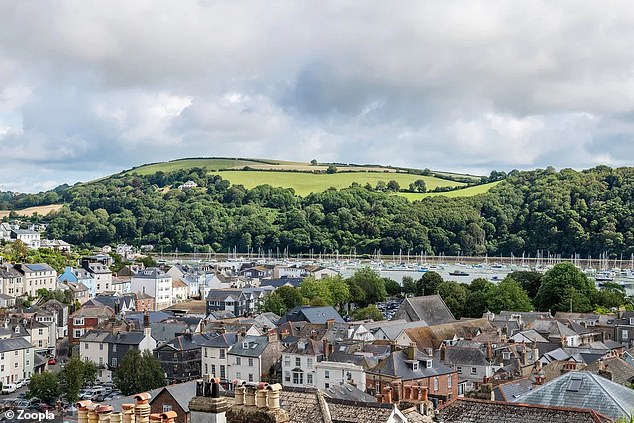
{"points": [[148, 261], [282, 300], [564, 287], [18, 252], [44, 386], [312, 288], [338, 289], [428, 283], [74, 376], [392, 287], [455, 296], [369, 312], [409, 285], [610, 295], [139, 372], [477, 302], [273, 303], [331, 169], [370, 283], [529, 281], [508, 295], [63, 296]]}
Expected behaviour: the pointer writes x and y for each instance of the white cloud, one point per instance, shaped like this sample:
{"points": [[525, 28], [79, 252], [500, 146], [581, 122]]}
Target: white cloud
{"points": [[459, 86]]}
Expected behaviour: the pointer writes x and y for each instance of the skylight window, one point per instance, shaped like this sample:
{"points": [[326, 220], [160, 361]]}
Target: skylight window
{"points": [[574, 385]]}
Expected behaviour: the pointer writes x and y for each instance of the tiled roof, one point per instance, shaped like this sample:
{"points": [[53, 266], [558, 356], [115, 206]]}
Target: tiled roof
{"points": [[430, 309], [397, 364], [250, 346], [469, 410], [313, 314], [621, 371], [465, 356], [306, 346], [433, 336], [583, 390]]}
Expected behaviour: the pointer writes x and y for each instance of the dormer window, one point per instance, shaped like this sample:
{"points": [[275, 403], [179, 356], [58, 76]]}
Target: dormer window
{"points": [[245, 345], [506, 355], [631, 320], [428, 364], [415, 365]]}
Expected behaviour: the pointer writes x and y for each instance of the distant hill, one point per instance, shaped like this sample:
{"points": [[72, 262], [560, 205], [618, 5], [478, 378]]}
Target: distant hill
{"points": [[305, 178]]}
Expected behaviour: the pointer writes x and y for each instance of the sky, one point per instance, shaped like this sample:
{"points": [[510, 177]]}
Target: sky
{"points": [[89, 88]]}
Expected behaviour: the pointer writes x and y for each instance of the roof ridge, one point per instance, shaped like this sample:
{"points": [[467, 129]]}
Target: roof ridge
{"points": [[595, 377]]}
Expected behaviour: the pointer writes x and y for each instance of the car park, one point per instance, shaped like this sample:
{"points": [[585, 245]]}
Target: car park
{"points": [[22, 404]]}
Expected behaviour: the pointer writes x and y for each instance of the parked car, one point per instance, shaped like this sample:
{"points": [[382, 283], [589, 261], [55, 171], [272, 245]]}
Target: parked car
{"points": [[52, 361], [22, 404], [20, 383], [113, 395], [9, 388]]}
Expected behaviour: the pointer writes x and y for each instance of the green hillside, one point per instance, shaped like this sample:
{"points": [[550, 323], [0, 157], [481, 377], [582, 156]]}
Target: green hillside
{"points": [[305, 183], [465, 192]]}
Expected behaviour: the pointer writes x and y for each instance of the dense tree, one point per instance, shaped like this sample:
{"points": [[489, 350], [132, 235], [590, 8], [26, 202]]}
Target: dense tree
{"points": [[369, 312], [611, 295], [508, 295], [562, 285], [273, 302], [393, 186], [428, 283], [312, 288], [139, 372], [372, 285], [331, 169], [338, 288], [44, 386], [477, 301], [455, 296], [392, 287], [529, 281], [291, 297], [75, 374], [409, 285]]}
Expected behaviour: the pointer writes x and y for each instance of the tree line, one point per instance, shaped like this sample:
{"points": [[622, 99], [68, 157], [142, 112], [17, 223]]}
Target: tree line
{"points": [[567, 212]]}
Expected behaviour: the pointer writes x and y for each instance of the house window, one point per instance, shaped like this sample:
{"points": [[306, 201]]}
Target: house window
{"points": [[205, 349], [114, 348], [86, 346], [166, 408], [428, 364], [327, 374], [250, 362], [287, 361], [213, 369], [78, 321], [223, 375], [78, 333], [415, 365], [238, 375], [309, 362], [309, 378], [436, 383], [238, 361], [250, 377], [298, 378], [40, 331], [459, 370], [326, 385], [101, 361], [449, 382], [287, 376], [114, 362], [474, 370], [298, 362], [506, 355], [100, 347], [624, 334]]}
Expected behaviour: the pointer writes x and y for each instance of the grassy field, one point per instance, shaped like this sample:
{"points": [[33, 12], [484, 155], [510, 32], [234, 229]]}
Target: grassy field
{"points": [[212, 164], [41, 210], [305, 183], [465, 192]]}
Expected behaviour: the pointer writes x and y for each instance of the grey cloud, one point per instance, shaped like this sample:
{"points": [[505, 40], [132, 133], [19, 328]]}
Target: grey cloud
{"points": [[462, 86]]}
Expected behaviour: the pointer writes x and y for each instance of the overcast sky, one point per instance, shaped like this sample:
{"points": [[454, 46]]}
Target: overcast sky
{"points": [[89, 88]]}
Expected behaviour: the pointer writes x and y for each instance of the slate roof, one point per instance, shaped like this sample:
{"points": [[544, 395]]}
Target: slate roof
{"points": [[622, 372], [94, 311], [308, 347], [255, 346], [468, 410], [530, 334], [187, 342], [223, 340], [348, 392], [277, 283], [312, 314], [430, 309], [181, 392], [465, 356], [12, 344], [397, 364], [511, 390], [583, 390]]}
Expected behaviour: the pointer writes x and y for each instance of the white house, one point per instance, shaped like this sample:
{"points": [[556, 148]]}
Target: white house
{"points": [[16, 359], [215, 355], [299, 360], [30, 238], [251, 357], [156, 283], [332, 373], [37, 276]]}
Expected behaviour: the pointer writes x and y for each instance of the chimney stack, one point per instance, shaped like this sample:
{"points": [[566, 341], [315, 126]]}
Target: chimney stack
{"points": [[330, 323], [411, 351], [128, 413], [142, 408], [207, 405]]}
